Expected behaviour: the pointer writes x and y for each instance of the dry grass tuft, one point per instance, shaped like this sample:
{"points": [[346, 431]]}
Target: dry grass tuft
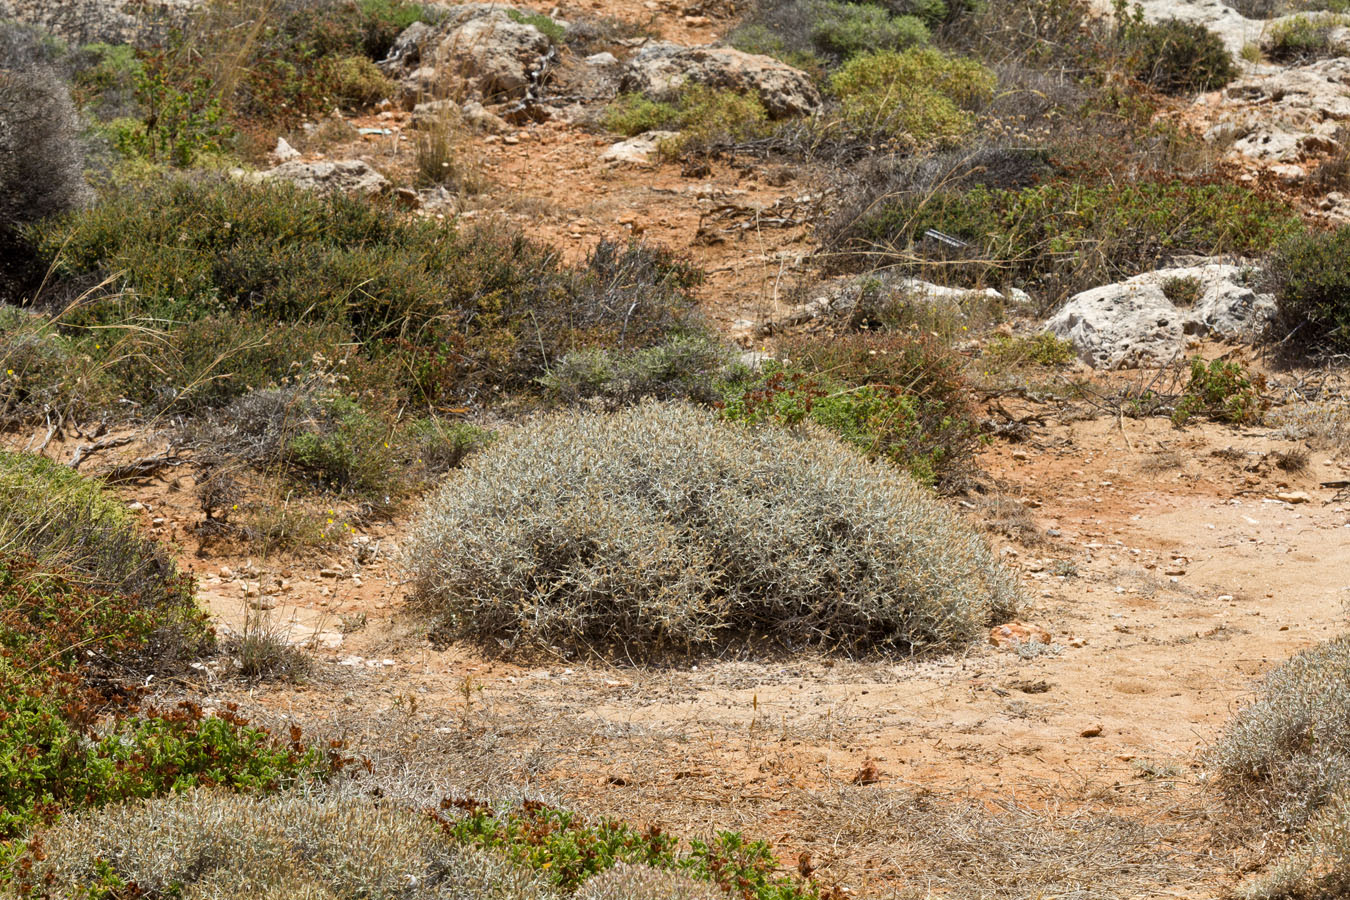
{"points": [[660, 530]]}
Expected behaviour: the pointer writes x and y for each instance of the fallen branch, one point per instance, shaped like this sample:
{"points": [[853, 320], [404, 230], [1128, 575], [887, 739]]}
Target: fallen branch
{"points": [[145, 467], [84, 451]]}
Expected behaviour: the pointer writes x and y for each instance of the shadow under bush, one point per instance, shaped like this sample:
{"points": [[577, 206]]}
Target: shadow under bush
{"points": [[660, 530]]}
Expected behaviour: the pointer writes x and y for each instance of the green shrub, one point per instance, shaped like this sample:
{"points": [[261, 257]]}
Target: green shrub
{"points": [[451, 314], [1310, 276], [895, 396], [659, 530], [1301, 39], [1223, 391], [181, 117], [1287, 753], [1043, 349], [1063, 236], [633, 114], [846, 30], [688, 367], [597, 857], [43, 374], [1178, 57], [358, 83], [206, 844], [64, 522], [704, 116], [921, 94]]}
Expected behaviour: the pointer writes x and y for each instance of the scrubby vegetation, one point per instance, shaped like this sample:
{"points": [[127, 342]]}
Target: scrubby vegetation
{"points": [[1286, 755], [658, 530], [1311, 280], [86, 602], [1222, 390]]}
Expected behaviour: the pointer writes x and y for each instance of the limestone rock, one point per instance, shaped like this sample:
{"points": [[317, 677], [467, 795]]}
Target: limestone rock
{"points": [[478, 48], [344, 176], [1282, 115], [661, 69], [637, 150], [1133, 323]]}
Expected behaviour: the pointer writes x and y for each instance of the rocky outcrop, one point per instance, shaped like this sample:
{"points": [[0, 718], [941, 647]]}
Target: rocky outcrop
{"points": [[344, 176], [108, 21], [662, 69], [1281, 115], [479, 50], [1135, 323]]}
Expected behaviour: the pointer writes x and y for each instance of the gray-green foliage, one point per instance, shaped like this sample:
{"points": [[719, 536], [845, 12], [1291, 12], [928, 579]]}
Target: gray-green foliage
{"points": [[1289, 752], [637, 882], [660, 530], [204, 845], [685, 367]]}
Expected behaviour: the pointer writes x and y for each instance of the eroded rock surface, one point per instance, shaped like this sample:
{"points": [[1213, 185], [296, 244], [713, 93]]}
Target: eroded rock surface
{"points": [[660, 70]]}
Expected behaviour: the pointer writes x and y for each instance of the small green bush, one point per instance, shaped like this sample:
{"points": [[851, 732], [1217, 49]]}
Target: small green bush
{"points": [[660, 530], [1310, 276], [919, 94], [688, 367], [358, 83], [1043, 349], [1301, 39], [899, 397], [44, 375], [206, 845], [846, 30], [62, 521], [1224, 391], [1178, 57], [633, 114], [704, 116]]}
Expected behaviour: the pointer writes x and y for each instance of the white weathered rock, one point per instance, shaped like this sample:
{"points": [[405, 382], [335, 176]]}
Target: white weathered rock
{"points": [[284, 152], [660, 70], [860, 297], [1133, 323], [478, 48], [343, 176], [637, 150], [602, 60], [1281, 115]]}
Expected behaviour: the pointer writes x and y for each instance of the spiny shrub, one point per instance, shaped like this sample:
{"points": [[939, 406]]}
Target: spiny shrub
{"points": [[1310, 276], [207, 844], [920, 94], [453, 314], [638, 882], [1288, 753], [688, 367], [1224, 391], [41, 168], [899, 397], [1178, 57], [660, 530]]}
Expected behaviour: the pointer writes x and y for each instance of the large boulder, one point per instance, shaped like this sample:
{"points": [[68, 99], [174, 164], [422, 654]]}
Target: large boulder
{"points": [[479, 49], [660, 70], [1134, 323], [341, 176]]}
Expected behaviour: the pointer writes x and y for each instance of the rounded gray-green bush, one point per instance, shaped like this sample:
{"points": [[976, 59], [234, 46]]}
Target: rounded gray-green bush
{"points": [[661, 529], [218, 846]]}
